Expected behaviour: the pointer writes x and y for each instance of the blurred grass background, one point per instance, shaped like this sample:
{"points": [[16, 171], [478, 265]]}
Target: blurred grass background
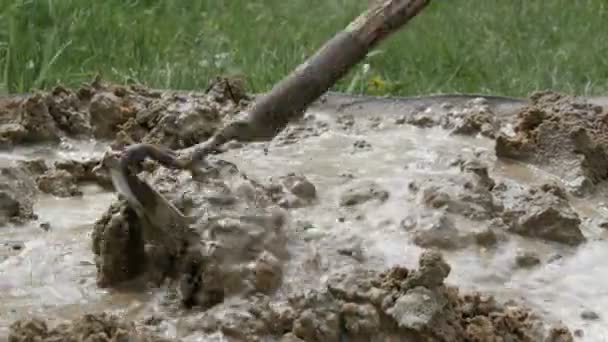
{"points": [[484, 46]]}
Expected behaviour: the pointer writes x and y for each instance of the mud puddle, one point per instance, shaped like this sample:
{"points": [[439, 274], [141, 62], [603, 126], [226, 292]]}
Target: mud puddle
{"points": [[567, 282], [388, 188]]}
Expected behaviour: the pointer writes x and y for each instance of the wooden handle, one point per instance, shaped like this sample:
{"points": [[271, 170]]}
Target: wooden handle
{"points": [[309, 81]]}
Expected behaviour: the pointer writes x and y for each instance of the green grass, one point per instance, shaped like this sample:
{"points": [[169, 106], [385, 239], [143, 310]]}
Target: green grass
{"points": [[489, 46]]}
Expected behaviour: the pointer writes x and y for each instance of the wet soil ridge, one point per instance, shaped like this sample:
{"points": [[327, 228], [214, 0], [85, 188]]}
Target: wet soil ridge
{"points": [[360, 305], [564, 135], [124, 114]]}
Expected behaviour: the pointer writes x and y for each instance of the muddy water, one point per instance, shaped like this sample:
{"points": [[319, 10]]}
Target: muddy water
{"points": [[53, 275]]}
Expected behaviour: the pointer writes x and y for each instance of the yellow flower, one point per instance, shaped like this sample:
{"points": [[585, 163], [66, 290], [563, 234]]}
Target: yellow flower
{"points": [[377, 83]]}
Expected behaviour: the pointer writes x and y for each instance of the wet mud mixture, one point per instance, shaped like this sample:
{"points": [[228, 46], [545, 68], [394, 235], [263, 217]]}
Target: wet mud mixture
{"points": [[446, 219]]}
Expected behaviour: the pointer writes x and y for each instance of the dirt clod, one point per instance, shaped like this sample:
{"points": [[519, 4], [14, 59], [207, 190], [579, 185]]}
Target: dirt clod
{"points": [[123, 114], [542, 213], [527, 260], [473, 117], [556, 130], [91, 327], [362, 192], [590, 315], [17, 193], [59, 183]]}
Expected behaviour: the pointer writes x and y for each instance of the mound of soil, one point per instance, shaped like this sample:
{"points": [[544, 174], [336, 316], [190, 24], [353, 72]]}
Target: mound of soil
{"points": [[119, 113], [563, 135], [236, 245]]}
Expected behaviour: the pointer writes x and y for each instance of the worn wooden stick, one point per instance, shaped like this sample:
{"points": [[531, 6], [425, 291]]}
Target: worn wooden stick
{"points": [[271, 113], [309, 81]]}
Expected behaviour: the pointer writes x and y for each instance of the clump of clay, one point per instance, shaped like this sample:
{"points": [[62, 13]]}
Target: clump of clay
{"points": [[474, 117], [404, 304], [222, 89], [357, 304], [527, 260], [180, 120], [59, 183], [299, 130], [64, 177], [90, 327], [118, 246], [86, 171], [297, 191], [17, 193], [34, 166], [68, 109], [123, 114], [26, 120], [231, 248], [563, 135], [541, 212], [361, 192], [467, 194], [437, 230]]}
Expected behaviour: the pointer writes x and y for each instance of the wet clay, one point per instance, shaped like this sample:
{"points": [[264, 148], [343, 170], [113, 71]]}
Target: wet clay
{"points": [[237, 244], [229, 273], [17, 194], [360, 305], [563, 135], [100, 327], [63, 178], [119, 113], [26, 120], [454, 203], [472, 118]]}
